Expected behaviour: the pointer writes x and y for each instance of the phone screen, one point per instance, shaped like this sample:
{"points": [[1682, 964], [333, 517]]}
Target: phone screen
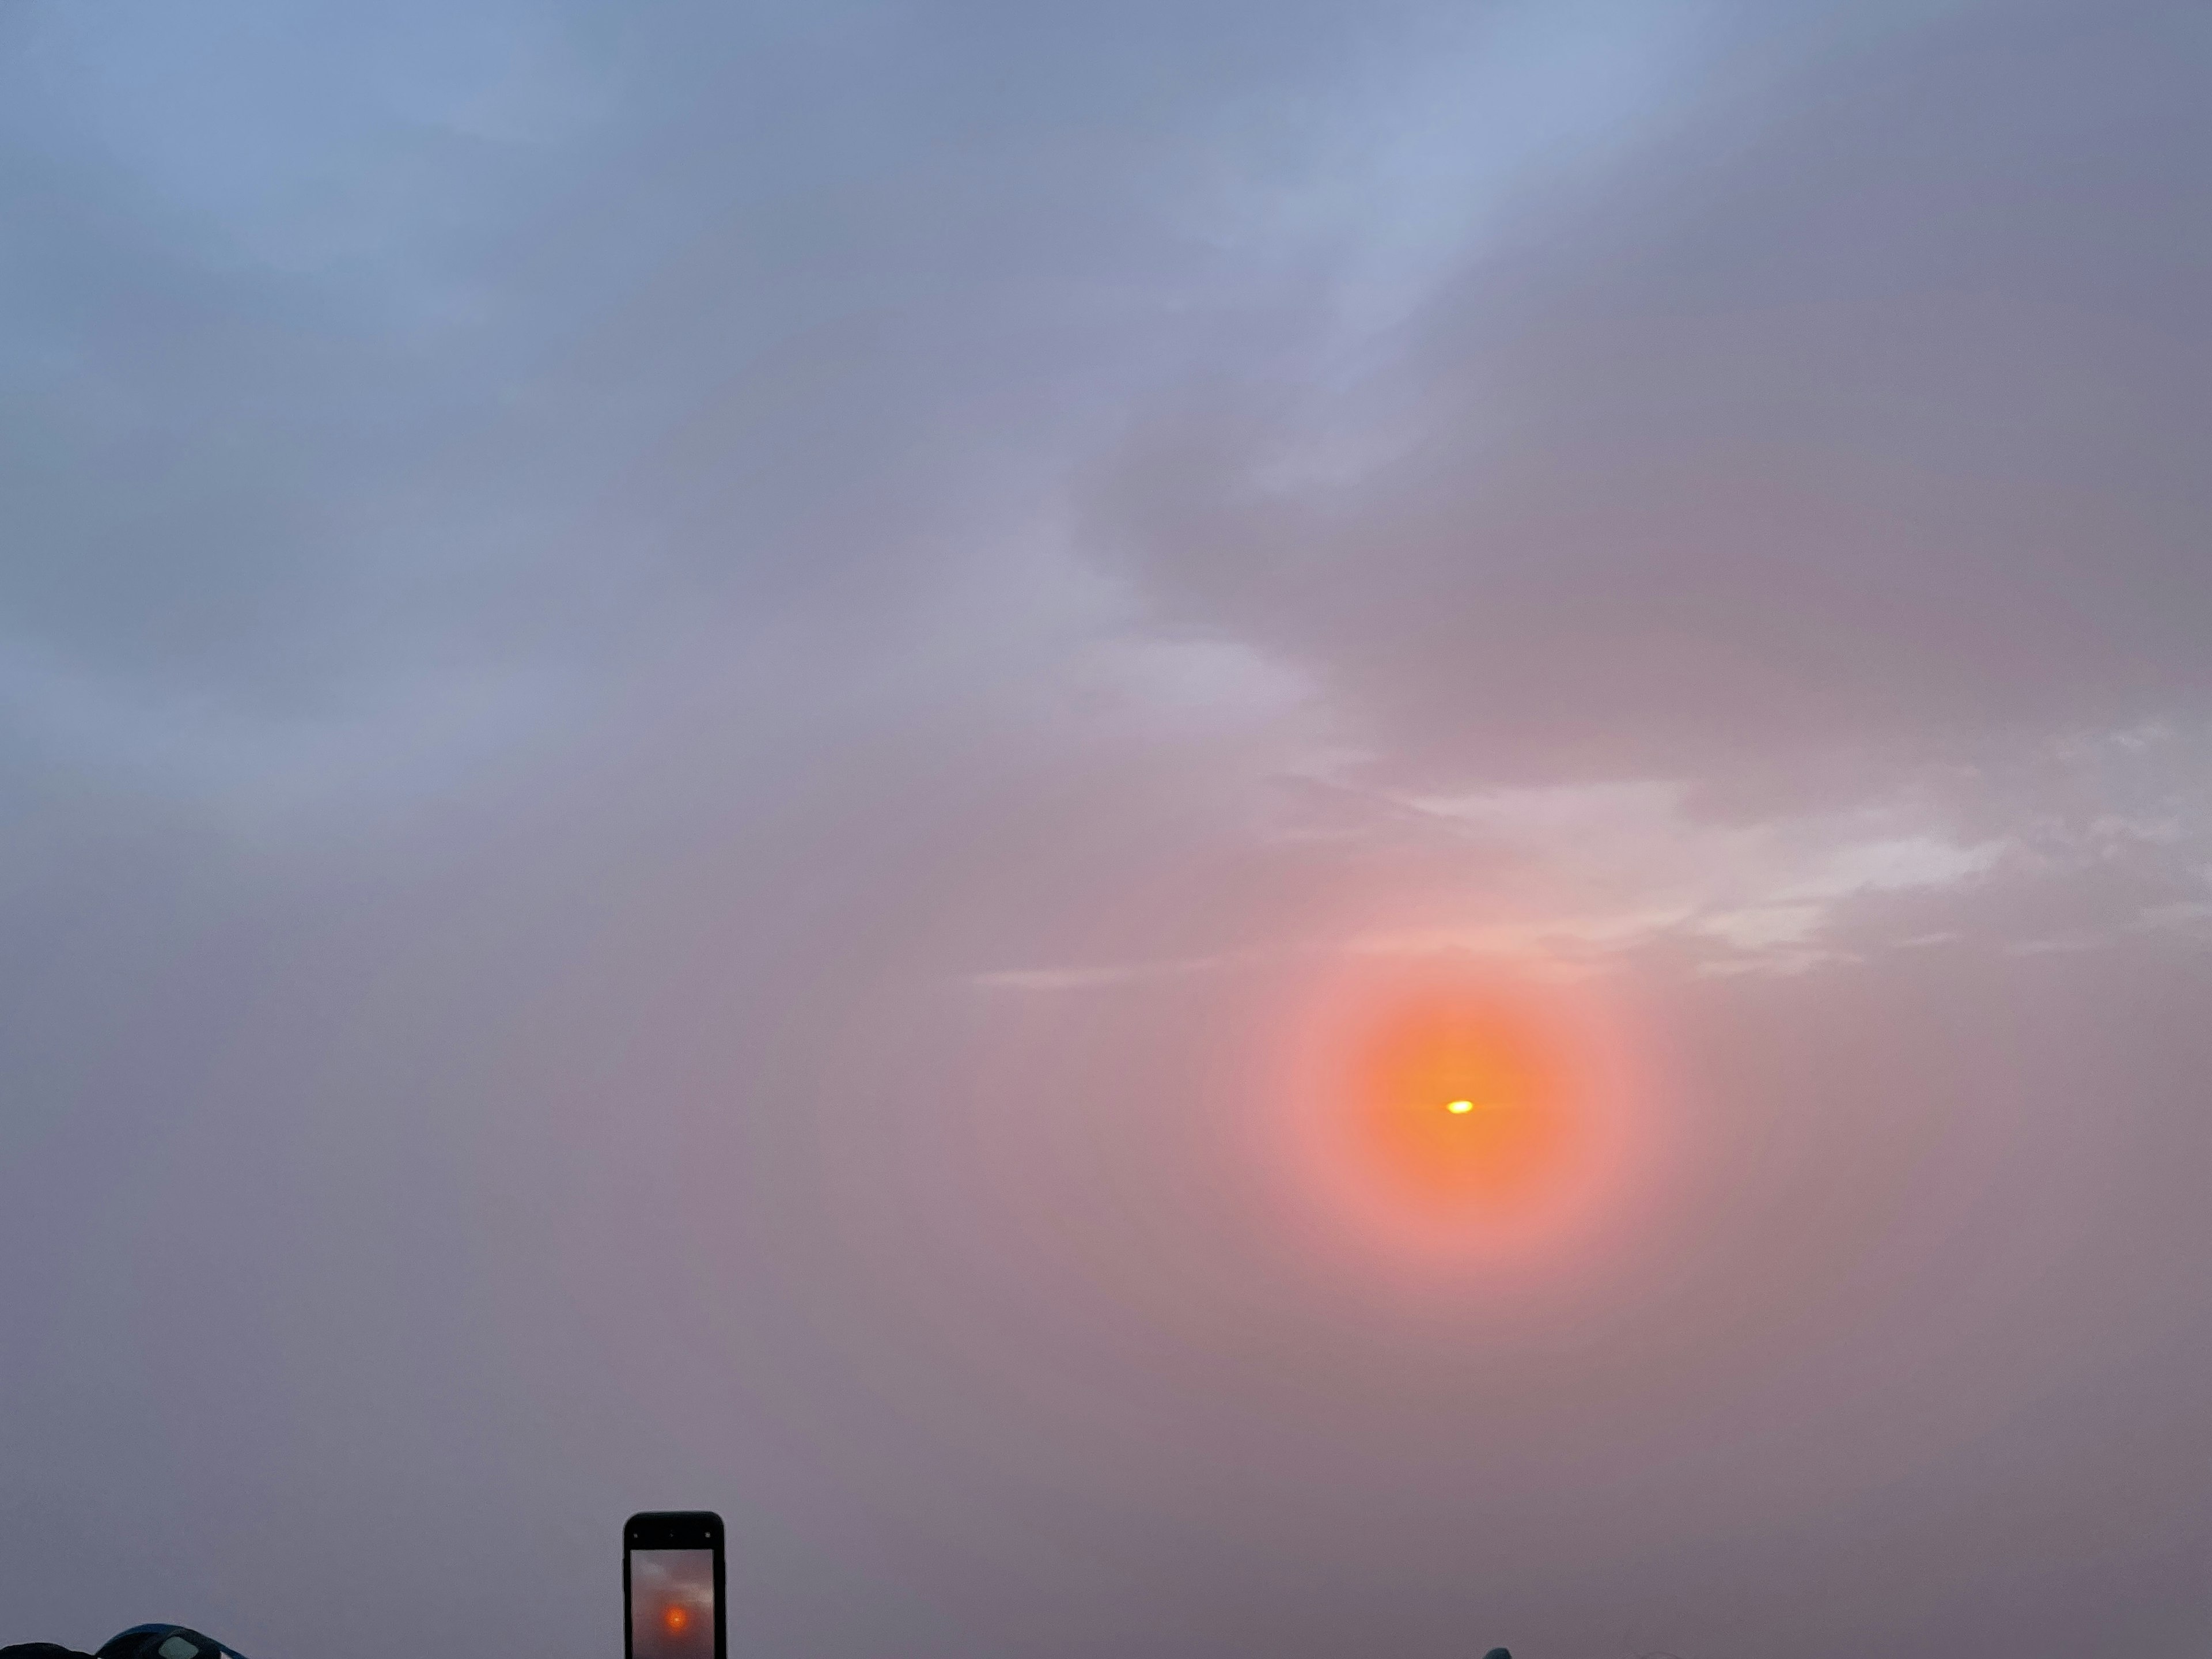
{"points": [[671, 1604]]}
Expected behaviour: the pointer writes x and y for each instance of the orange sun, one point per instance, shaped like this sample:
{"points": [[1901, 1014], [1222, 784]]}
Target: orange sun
{"points": [[1457, 1110], [675, 1618], [1462, 1101]]}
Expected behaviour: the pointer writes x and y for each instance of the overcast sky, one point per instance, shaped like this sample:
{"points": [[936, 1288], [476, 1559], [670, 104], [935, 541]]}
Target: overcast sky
{"points": [[700, 704]]}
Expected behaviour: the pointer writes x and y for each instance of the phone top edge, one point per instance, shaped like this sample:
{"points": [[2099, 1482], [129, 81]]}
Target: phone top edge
{"points": [[673, 1528]]}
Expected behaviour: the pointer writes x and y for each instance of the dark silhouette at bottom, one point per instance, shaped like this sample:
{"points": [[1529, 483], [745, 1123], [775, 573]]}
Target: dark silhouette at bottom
{"points": [[139, 1641]]}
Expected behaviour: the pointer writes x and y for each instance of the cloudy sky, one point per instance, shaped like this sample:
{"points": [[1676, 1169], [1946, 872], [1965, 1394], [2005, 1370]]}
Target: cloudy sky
{"points": [[706, 712]]}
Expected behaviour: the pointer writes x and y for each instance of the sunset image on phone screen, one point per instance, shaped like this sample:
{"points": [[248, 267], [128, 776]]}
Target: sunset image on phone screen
{"points": [[671, 1604]]}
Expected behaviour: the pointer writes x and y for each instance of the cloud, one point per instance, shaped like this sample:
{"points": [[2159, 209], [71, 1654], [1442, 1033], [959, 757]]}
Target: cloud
{"points": [[1856, 414]]}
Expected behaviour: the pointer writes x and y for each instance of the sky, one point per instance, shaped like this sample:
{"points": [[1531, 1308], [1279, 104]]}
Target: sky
{"points": [[748, 753]]}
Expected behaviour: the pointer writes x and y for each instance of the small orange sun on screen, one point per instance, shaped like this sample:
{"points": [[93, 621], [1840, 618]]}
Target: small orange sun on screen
{"points": [[676, 1619]]}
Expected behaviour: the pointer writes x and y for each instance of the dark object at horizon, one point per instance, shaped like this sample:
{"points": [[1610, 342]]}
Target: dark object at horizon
{"points": [[166, 1642], [1498, 1653], [139, 1641]]}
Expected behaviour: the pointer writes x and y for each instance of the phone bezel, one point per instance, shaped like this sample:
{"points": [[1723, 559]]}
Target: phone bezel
{"points": [[676, 1529]]}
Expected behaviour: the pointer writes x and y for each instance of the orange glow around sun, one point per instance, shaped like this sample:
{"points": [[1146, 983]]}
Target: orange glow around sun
{"points": [[675, 1618], [1456, 1111], [1462, 1104]]}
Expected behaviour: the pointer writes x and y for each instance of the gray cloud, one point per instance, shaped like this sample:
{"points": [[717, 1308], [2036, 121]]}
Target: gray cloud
{"points": [[1861, 410]]}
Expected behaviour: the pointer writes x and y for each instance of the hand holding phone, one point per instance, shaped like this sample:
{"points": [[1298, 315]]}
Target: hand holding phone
{"points": [[672, 1586]]}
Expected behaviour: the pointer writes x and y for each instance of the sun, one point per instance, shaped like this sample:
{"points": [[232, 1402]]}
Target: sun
{"points": [[1505, 1138], [675, 1618], [1454, 1111]]}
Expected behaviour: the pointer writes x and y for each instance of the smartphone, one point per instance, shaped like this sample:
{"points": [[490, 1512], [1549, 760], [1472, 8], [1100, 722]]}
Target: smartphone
{"points": [[672, 1586]]}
